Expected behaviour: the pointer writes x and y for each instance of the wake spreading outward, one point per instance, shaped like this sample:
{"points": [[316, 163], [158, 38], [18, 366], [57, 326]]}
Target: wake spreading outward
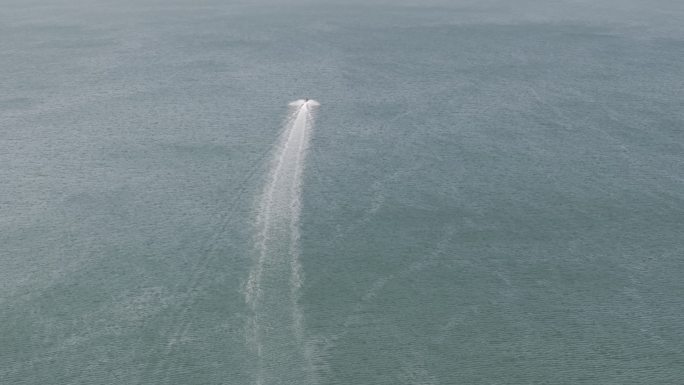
{"points": [[276, 327]]}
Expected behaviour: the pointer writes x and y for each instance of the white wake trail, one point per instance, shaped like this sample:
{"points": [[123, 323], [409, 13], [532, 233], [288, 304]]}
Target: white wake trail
{"points": [[276, 330]]}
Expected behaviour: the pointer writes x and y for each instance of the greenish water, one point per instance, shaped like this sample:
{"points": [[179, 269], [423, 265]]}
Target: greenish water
{"points": [[492, 193]]}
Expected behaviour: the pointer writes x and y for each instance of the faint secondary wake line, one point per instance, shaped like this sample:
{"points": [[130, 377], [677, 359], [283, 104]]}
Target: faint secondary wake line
{"points": [[276, 328]]}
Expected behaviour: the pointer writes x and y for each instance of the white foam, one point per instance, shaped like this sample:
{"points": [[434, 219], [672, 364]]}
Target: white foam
{"points": [[277, 328], [307, 102]]}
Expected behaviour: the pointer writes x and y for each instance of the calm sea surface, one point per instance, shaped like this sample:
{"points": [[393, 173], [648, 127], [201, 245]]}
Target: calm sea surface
{"points": [[493, 192]]}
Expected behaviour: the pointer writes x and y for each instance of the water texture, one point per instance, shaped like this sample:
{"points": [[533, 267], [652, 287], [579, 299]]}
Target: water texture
{"points": [[493, 192]]}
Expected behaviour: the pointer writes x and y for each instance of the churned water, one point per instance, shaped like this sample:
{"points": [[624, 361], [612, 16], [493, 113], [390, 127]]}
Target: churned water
{"points": [[492, 192], [276, 327]]}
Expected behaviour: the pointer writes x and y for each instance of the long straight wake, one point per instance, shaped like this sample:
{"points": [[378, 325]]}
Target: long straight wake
{"points": [[276, 327]]}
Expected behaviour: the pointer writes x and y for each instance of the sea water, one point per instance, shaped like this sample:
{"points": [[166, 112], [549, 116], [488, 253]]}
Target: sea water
{"points": [[492, 192]]}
